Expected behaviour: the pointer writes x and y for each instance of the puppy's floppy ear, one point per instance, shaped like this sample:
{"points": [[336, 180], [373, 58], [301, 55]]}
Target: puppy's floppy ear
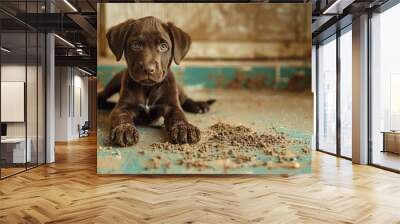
{"points": [[181, 42], [116, 37]]}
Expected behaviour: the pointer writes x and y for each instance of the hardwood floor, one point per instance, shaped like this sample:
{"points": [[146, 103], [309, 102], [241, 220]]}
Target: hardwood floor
{"points": [[11, 170], [387, 159], [70, 191]]}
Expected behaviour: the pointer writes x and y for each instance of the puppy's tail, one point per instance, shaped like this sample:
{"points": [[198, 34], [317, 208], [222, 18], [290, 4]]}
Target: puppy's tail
{"points": [[211, 101], [197, 106]]}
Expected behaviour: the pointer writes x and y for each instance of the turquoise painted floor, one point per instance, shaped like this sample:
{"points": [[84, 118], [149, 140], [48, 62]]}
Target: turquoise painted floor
{"points": [[291, 113]]}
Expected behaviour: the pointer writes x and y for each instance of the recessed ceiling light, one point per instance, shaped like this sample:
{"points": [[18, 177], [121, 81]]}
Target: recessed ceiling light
{"points": [[5, 50], [70, 5], [64, 40], [337, 7], [84, 71]]}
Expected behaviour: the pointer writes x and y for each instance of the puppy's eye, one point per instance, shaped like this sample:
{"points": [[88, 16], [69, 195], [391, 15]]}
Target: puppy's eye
{"points": [[163, 47], [136, 46]]}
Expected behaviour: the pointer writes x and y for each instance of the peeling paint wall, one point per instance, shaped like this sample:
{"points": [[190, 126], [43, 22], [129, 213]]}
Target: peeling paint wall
{"points": [[229, 30]]}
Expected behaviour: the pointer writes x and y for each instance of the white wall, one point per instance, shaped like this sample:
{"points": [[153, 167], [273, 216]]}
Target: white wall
{"points": [[80, 109], [61, 103], [16, 73], [71, 93], [33, 127]]}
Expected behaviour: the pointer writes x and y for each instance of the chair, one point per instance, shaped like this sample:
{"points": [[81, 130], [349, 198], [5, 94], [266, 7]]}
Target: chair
{"points": [[84, 130]]}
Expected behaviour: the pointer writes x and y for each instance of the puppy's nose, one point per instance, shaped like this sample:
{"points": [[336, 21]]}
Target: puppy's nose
{"points": [[150, 68]]}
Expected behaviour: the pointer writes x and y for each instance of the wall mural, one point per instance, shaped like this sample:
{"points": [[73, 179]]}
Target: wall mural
{"points": [[204, 89]]}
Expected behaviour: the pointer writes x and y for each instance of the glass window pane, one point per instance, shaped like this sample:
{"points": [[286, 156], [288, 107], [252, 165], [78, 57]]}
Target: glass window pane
{"points": [[327, 96], [385, 86], [31, 97], [346, 94], [13, 84], [23, 82]]}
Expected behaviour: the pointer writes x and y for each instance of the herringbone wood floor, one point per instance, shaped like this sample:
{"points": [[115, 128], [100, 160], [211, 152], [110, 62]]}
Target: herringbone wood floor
{"points": [[70, 191]]}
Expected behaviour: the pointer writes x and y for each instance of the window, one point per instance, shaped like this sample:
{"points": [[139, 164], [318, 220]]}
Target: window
{"points": [[22, 75], [346, 92], [385, 89], [327, 96]]}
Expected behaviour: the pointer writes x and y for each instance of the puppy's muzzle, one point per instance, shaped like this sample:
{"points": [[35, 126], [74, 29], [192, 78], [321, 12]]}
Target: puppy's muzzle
{"points": [[148, 68]]}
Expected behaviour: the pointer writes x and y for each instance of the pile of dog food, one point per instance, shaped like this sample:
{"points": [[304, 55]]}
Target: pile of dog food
{"points": [[233, 146]]}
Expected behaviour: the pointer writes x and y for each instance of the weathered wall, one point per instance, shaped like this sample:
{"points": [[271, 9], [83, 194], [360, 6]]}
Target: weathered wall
{"points": [[229, 30]]}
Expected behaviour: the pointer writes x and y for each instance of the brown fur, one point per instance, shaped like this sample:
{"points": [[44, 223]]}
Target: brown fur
{"points": [[147, 87]]}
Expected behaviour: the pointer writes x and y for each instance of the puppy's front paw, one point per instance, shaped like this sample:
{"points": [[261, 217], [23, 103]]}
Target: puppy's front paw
{"points": [[197, 106], [184, 133], [124, 135]]}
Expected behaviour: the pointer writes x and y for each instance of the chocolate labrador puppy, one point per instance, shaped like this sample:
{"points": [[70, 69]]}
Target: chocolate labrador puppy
{"points": [[148, 89]]}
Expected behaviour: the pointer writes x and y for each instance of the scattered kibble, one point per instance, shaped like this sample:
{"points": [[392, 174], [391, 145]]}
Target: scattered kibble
{"points": [[235, 146]]}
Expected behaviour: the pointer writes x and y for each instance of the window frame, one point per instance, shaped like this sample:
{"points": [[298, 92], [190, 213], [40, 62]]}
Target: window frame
{"points": [[337, 34]]}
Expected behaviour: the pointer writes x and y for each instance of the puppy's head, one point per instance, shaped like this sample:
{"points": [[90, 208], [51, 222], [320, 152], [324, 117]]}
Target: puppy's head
{"points": [[149, 46]]}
